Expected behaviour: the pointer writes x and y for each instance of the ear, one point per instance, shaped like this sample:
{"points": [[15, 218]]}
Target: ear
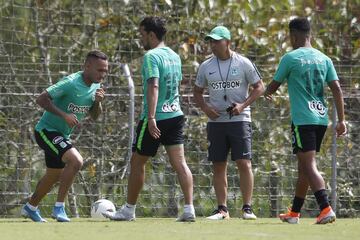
{"points": [[87, 64], [152, 35]]}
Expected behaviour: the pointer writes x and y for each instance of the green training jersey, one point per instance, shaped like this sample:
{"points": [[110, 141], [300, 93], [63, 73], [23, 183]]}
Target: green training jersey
{"points": [[306, 71], [70, 95], [163, 63]]}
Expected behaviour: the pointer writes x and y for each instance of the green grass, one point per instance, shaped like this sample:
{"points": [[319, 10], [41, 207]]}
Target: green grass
{"points": [[167, 228]]}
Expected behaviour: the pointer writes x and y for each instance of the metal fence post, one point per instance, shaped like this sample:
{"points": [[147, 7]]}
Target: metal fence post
{"points": [[333, 159]]}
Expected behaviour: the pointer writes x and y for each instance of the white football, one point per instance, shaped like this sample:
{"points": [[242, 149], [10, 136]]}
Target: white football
{"points": [[101, 206]]}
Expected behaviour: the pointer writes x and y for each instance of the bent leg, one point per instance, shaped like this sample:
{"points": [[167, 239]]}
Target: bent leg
{"points": [[302, 184], [307, 164], [74, 162], [45, 184]]}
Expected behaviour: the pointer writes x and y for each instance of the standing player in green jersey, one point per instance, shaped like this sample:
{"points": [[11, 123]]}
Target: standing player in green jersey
{"points": [[66, 103], [161, 121], [306, 71]]}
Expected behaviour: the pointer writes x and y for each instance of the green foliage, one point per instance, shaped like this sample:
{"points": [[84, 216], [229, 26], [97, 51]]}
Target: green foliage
{"points": [[41, 41]]}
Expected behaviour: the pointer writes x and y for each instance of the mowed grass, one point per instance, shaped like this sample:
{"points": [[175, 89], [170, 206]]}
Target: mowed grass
{"points": [[167, 228]]}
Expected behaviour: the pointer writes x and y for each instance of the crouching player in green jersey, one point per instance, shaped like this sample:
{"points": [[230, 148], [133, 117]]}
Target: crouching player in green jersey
{"points": [[306, 71], [66, 103]]}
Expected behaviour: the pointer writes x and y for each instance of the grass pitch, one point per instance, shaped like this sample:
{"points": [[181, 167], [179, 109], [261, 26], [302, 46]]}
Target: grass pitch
{"points": [[167, 228]]}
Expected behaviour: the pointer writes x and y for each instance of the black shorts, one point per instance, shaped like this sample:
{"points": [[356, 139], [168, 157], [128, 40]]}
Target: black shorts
{"points": [[171, 134], [55, 145], [223, 136], [307, 138]]}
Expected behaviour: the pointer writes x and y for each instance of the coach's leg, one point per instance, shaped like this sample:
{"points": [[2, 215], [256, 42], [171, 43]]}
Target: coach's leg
{"points": [[246, 180], [137, 177], [220, 182], [177, 161], [74, 162], [44, 186]]}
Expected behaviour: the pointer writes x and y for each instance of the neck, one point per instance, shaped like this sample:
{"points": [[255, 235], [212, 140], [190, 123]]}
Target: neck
{"points": [[225, 56], [86, 80], [158, 45], [306, 43]]}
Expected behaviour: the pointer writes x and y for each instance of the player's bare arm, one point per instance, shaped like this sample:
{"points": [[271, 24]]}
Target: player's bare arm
{"points": [[339, 103], [271, 89], [257, 90], [200, 102], [44, 100], [152, 99], [96, 109]]}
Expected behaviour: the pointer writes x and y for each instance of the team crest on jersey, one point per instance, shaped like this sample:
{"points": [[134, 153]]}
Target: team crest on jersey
{"points": [[234, 71], [318, 108]]}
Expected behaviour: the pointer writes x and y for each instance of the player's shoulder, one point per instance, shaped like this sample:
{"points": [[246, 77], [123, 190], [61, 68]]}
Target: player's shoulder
{"points": [[209, 60], [241, 59], [73, 77], [321, 54], [70, 79]]}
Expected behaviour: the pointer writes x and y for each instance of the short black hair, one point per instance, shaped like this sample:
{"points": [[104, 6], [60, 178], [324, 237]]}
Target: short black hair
{"points": [[300, 24], [156, 25], [96, 54]]}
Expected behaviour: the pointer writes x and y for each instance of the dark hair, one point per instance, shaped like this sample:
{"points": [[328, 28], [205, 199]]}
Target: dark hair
{"points": [[96, 54], [155, 25], [300, 24]]}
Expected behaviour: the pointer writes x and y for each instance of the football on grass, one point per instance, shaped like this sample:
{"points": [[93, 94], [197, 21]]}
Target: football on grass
{"points": [[101, 206]]}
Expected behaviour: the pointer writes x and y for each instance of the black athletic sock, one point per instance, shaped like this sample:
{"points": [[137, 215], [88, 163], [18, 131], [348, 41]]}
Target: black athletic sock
{"points": [[246, 208], [322, 199], [223, 208], [297, 204]]}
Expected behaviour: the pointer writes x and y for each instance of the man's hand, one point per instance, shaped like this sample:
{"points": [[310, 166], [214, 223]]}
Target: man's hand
{"points": [[211, 112], [71, 120], [237, 108], [341, 129], [268, 96], [271, 89], [153, 130], [99, 95]]}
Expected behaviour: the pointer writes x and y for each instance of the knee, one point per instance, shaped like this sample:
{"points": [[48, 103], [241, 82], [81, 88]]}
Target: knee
{"points": [[244, 165], [183, 169], [76, 163]]}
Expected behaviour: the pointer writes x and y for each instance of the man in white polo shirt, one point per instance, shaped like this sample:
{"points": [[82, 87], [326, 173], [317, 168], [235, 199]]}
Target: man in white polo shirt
{"points": [[228, 75]]}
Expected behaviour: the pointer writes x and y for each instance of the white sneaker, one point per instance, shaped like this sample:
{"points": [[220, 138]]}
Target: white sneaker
{"points": [[123, 214], [186, 217], [219, 215], [248, 214]]}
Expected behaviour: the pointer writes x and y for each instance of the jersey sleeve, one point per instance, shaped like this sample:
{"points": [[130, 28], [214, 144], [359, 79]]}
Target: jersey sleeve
{"points": [[283, 69], [252, 74], [60, 89], [201, 80], [331, 74], [151, 67]]}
